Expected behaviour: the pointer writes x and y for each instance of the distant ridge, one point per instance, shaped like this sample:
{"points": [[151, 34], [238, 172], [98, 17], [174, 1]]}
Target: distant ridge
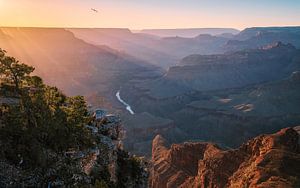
{"points": [[254, 31], [189, 32]]}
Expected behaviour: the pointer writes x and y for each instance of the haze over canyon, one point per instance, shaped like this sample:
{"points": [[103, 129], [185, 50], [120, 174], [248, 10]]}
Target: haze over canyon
{"points": [[211, 92]]}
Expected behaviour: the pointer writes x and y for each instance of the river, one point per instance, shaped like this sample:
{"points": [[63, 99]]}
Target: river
{"points": [[128, 107]]}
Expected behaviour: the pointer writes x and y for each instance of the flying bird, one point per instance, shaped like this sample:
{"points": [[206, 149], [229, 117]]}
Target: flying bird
{"points": [[95, 10]]}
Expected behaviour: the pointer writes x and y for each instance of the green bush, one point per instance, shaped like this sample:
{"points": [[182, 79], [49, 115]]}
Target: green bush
{"points": [[41, 118]]}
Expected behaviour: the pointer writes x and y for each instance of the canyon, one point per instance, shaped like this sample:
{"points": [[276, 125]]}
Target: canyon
{"points": [[150, 94], [202, 87]]}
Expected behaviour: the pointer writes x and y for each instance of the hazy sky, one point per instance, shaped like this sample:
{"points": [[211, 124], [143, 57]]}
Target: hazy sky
{"points": [[138, 14]]}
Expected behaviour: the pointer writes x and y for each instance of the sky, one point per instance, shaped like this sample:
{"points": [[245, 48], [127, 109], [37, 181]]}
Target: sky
{"points": [[149, 14]]}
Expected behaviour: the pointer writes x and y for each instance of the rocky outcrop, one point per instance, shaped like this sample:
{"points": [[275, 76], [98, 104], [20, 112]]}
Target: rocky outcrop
{"points": [[265, 161], [105, 160], [172, 167]]}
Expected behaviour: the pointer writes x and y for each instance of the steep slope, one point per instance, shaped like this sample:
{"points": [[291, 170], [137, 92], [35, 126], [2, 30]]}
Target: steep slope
{"points": [[71, 64], [265, 161]]}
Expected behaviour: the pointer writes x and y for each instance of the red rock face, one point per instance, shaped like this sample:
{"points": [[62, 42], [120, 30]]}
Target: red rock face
{"points": [[265, 161]]}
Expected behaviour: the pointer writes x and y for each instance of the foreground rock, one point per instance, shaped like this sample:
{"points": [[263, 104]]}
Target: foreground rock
{"points": [[265, 161], [105, 165]]}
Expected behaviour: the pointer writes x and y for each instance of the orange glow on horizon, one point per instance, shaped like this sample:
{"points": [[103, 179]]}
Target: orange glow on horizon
{"points": [[46, 13]]}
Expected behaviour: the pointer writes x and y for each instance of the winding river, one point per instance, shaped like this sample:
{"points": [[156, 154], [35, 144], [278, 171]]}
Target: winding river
{"points": [[128, 107]]}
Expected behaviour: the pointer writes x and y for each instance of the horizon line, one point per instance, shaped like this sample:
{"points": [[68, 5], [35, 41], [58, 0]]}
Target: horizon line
{"points": [[134, 29]]}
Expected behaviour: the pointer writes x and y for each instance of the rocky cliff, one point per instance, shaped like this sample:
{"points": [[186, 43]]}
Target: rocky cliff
{"points": [[265, 161]]}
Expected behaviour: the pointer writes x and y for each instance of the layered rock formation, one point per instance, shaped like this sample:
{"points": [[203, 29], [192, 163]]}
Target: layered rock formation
{"points": [[232, 70], [255, 37], [265, 161], [230, 116]]}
